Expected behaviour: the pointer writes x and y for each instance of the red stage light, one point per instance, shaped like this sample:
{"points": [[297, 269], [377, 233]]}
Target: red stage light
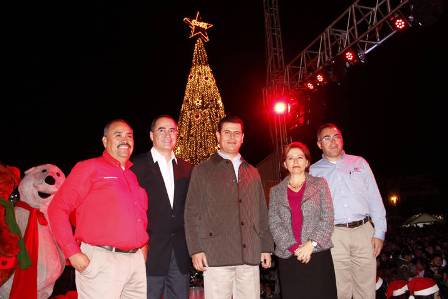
{"points": [[349, 56], [310, 85], [320, 78], [399, 23], [280, 107]]}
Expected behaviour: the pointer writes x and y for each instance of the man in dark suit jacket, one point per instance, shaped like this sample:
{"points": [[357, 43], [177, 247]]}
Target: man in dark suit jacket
{"points": [[166, 180]]}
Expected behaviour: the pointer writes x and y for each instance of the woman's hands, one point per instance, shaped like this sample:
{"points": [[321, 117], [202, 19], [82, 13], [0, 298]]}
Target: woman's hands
{"points": [[303, 252]]}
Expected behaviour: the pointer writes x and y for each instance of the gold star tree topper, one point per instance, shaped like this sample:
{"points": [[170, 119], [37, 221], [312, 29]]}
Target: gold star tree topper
{"points": [[198, 27]]}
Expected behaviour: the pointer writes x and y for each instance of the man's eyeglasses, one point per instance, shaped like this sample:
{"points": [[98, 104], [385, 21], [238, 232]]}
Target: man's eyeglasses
{"points": [[165, 131], [229, 134], [328, 139]]}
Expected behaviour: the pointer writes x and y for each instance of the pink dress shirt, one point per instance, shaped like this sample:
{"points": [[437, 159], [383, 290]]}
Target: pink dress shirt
{"points": [[110, 207]]}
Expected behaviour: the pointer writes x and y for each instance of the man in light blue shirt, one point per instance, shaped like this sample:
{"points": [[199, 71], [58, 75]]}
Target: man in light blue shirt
{"points": [[359, 214]]}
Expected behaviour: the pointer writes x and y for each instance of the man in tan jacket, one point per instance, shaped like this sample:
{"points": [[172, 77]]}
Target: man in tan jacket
{"points": [[226, 219]]}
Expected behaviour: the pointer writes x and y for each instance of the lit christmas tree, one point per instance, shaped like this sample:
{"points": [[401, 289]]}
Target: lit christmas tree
{"points": [[202, 107]]}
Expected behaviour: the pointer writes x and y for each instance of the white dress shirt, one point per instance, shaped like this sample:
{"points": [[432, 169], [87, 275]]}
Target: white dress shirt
{"points": [[166, 168]]}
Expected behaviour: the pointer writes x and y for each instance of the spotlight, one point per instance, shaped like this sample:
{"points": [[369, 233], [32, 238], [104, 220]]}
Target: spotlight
{"points": [[296, 111], [320, 78], [399, 23], [280, 107], [309, 85], [350, 56], [362, 56]]}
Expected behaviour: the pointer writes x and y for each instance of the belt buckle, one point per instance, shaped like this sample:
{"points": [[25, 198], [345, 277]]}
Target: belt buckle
{"points": [[133, 250], [116, 249], [354, 224], [362, 221], [365, 220]]}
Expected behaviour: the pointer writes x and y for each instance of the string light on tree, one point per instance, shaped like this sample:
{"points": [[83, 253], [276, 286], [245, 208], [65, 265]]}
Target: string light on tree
{"points": [[202, 107]]}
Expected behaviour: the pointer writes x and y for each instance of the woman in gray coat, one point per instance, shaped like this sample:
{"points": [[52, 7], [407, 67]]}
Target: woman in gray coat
{"points": [[301, 222]]}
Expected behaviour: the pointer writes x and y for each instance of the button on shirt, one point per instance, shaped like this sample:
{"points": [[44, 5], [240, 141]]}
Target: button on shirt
{"points": [[236, 161], [354, 191], [111, 207], [166, 168]]}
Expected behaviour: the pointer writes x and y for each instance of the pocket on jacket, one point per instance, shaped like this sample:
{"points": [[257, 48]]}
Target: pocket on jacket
{"points": [[256, 231], [209, 235]]}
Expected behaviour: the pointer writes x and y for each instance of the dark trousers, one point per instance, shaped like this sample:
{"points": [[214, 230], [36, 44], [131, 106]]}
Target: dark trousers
{"points": [[173, 285], [315, 280]]}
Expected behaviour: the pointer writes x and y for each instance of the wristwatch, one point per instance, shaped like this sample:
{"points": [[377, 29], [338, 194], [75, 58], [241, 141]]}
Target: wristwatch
{"points": [[314, 243]]}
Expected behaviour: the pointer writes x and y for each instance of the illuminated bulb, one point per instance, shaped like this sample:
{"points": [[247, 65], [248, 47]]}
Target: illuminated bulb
{"points": [[280, 108]]}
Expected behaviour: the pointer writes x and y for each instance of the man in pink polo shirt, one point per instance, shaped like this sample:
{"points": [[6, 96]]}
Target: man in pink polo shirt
{"points": [[107, 248]]}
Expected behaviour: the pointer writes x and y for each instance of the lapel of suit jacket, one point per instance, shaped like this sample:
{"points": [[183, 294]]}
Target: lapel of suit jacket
{"points": [[283, 191], [157, 175], [310, 188]]}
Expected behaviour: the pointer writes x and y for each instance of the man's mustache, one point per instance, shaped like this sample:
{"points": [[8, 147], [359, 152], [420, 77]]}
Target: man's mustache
{"points": [[124, 143]]}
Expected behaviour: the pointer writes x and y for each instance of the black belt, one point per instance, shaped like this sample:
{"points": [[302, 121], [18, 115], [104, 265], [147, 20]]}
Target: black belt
{"points": [[115, 249], [354, 223]]}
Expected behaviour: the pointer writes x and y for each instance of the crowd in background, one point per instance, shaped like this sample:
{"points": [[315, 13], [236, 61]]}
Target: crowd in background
{"points": [[416, 252]]}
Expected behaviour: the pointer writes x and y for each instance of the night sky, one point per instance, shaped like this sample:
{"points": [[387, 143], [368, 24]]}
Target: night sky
{"points": [[75, 65]]}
